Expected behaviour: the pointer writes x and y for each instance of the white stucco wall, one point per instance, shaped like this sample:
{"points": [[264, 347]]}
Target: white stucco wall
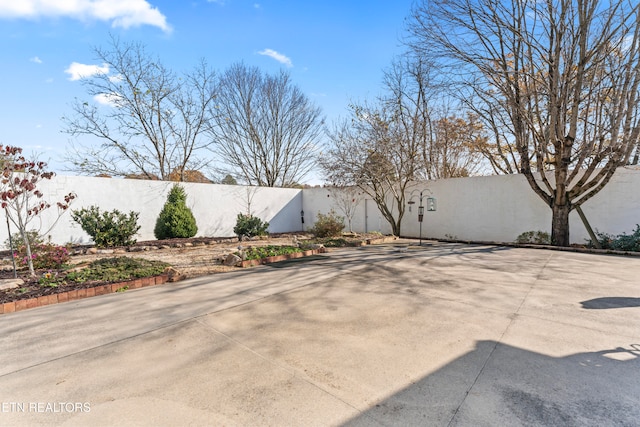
{"points": [[499, 208], [494, 208], [367, 217], [215, 207]]}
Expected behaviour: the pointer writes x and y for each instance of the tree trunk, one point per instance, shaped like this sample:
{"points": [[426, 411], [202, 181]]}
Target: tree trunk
{"points": [[27, 246], [395, 227], [560, 224]]}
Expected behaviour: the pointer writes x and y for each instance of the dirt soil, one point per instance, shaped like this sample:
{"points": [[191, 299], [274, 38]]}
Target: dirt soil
{"points": [[200, 259]]}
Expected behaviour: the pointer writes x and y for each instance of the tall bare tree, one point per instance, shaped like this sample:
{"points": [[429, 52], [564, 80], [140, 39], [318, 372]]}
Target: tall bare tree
{"points": [[154, 120], [266, 130], [386, 146], [454, 148], [564, 72], [450, 145]]}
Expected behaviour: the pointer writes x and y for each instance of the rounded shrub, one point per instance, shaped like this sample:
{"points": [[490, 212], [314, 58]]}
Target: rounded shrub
{"points": [[175, 219], [330, 225], [108, 229], [250, 226]]}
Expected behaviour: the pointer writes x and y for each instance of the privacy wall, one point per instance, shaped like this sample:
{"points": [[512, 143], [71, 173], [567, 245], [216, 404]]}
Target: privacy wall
{"points": [[215, 207], [499, 208], [494, 208]]}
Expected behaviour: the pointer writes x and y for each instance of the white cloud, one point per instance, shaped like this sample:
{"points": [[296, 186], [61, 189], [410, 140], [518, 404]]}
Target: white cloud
{"points": [[121, 13], [257, 6], [79, 71], [36, 60], [110, 99], [277, 56]]}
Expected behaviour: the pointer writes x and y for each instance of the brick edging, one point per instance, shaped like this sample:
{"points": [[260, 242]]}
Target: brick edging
{"points": [[278, 258], [76, 294]]}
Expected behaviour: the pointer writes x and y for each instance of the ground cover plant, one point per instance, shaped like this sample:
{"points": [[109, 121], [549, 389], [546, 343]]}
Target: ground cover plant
{"points": [[332, 242], [101, 271], [260, 252], [117, 270]]}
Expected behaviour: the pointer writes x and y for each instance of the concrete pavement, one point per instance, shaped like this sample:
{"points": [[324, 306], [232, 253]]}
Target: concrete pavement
{"points": [[444, 334]]}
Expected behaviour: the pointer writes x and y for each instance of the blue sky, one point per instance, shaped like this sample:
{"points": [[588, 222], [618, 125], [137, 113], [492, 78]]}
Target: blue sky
{"points": [[335, 50]]}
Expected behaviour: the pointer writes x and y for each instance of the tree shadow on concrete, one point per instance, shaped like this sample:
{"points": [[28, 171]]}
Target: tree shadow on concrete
{"points": [[610, 302], [498, 384], [295, 262]]}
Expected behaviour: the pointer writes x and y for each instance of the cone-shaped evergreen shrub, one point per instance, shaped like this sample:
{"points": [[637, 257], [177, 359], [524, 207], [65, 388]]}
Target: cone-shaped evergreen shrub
{"points": [[175, 219]]}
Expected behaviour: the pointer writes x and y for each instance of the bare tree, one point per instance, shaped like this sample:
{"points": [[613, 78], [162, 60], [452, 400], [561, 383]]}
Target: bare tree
{"points": [[266, 130], [375, 152], [497, 149], [387, 146], [455, 148], [450, 145], [347, 199], [154, 120], [564, 75]]}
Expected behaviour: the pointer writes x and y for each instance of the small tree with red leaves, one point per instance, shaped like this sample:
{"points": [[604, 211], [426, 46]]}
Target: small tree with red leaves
{"points": [[19, 194]]}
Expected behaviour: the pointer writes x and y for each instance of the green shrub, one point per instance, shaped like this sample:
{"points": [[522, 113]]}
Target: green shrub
{"points": [[108, 229], [175, 220], [250, 226], [335, 243], [621, 242], [536, 237], [330, 225]]}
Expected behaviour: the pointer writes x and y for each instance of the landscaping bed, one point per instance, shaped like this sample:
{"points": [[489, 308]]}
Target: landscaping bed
{"points": [[187, 258], [108, 274], [271, 255]]}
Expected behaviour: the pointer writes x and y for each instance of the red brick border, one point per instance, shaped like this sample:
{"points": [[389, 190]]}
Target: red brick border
{"points": [[76, 294], [278, 258]]}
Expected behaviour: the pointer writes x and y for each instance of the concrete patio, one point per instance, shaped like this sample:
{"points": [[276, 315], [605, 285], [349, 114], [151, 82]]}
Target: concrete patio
{"points": [[438, 335]]}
